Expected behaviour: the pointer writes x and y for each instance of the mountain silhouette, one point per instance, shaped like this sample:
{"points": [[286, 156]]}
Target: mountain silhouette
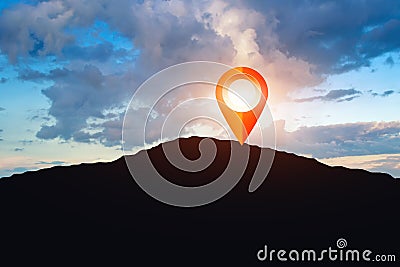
{"points": [[97, 214]]}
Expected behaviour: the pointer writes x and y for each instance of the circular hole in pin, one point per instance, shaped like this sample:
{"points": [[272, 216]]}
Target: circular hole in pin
{"points": [[241, 95]]}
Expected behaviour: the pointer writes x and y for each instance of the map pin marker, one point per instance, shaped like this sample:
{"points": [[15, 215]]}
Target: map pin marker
{"points": [[241, 123]]}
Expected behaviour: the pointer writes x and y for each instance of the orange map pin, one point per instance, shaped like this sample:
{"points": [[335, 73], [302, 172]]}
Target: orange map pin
{"points": [[241, 123]]}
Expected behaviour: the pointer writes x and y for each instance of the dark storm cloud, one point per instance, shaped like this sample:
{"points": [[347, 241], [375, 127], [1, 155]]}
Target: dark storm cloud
{"points": [[337, 36], [338, 95], [352, 139], [383, 38]]}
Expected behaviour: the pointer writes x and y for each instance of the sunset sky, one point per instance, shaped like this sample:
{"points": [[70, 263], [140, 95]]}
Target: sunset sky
{"points": [[69, 68]]}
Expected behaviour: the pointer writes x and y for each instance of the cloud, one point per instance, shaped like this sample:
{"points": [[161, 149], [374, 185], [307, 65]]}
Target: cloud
{"points": [[293, 44], [99, 52], [256, 43], [389, 61], [1, 109], [17, 164], [331, 35], [384, 94], [166, 33], [34, 30], [383, 38], [26, 142], [17, 149], [351, 139], [387, 93], [31, 75], [55, 162], [388, 163], [338, 95], [80, 95], [325, 34], [40, 115], [3, 80], [18, 170]]}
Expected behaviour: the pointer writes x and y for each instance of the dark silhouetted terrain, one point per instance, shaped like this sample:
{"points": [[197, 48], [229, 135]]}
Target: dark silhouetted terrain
{"points": [[96, 213]]}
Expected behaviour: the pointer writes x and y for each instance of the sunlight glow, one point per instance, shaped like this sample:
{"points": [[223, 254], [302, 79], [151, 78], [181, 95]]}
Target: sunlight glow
{"points": [[241, 96]]}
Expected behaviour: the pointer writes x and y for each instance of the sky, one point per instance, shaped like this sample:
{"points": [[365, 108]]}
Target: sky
{"points": [[69, 68]]}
